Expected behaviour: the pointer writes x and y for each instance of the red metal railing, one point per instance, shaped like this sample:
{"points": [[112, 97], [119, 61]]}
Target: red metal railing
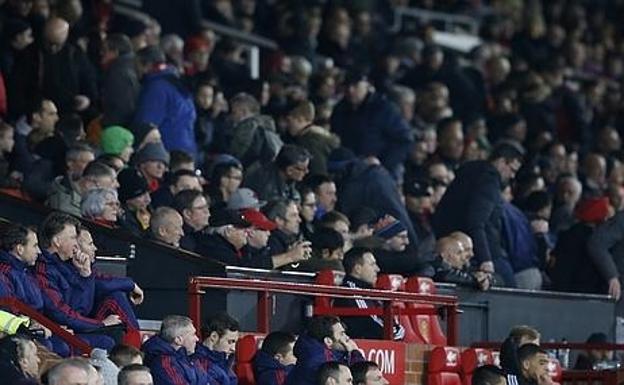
{"points": [[266, 288], [17, 306]]}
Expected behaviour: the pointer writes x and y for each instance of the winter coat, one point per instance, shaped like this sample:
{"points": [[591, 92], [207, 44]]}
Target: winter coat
{"points": [[268, 371], [216, 365], [120, 91], [169, 366]]}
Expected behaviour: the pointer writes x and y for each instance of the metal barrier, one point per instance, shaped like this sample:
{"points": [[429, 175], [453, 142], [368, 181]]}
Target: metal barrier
{"points": [[470, 24], [17, 306], [266, 288]]}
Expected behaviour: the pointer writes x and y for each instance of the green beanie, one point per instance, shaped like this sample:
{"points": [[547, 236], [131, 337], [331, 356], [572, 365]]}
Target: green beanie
{"points": [[115, 139]]}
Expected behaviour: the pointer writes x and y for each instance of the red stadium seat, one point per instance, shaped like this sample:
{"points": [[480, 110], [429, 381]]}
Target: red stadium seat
{"points": [[554, 370], [444, 366], [245, 350], [472, 359], [427, 326], [396, 282], [496, 358], [330, 278]]}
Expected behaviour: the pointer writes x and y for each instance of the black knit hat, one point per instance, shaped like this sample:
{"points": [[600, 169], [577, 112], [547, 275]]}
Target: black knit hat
{"points": [[131, 184], [226, 217]]}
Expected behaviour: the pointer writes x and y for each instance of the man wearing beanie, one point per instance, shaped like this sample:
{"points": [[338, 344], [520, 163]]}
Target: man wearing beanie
{"points": [[117, 141], [135, 199], [152, 161]]}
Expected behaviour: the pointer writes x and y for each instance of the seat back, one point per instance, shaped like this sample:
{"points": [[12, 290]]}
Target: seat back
{"points": [[554, 369], [444, 366], [396, 282], [328, 278], [246, 349], [427, 326], [472, 359], [496, 358]]}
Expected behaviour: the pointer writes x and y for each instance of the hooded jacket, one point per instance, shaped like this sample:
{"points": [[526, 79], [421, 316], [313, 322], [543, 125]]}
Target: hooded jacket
{"points": [[268, 371], [311, 354], [170, 366], [216, 365]]}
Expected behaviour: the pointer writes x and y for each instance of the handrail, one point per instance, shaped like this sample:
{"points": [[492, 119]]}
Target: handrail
{"points": [[557, 345], [425, 14], [265, 288], [19, 307]]}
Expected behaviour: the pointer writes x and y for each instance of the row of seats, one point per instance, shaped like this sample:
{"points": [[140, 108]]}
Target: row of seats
{"points": [[448, 366], [419, 328]]}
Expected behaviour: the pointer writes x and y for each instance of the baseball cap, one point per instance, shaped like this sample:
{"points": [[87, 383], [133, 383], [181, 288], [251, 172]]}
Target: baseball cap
{"points": [[259, 220], [227, 217], [244, 198]]}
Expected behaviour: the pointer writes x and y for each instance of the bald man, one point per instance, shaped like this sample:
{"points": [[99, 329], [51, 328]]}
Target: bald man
{"points": [[451, 264], [466, 243], [56, 33]]}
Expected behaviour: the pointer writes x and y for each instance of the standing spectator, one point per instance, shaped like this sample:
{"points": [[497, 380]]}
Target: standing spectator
{"points": [[387, 136], [215, 356], [165, 102], [167, 354], [473, 204]]}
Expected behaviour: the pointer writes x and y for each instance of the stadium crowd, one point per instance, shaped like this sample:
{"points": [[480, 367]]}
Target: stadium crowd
{"points": [[359, 148]]}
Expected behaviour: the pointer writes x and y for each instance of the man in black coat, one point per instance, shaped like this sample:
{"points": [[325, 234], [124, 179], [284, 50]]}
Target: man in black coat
{"points": [[473, 204]]}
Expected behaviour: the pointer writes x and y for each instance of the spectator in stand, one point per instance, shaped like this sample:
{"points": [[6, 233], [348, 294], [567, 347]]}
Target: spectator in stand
{"points": [[489, 375], [533, 363], [195, 211], [125, 355], [368, 373], [327, 251], [451, 265], [337, 221], [135, 374], [178, 181], [275, 359], [325, 340], [8, 178], [20, 249], [101, 205], [120, 87], [152, 161], [135, 202], [67, 196], [334, 373], [243, 199], [168, 353], [117, 141], [568, 193], [59, 243], [518, 336], [19, 363], [473, 204], [286, 215], [226, 240], [419, 203], [226, 179], [594, 175], [593, 359], [450, 142], [361, 271], [387, 138], [317, 140], [166, 226], [75, 370], [278, 179], [165, 102], [325, 192], [215, 355]]}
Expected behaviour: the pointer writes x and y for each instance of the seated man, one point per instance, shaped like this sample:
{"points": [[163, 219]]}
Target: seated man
{"points": [[367, 373], [194, 208], [533, 363], [178, 181], [166, 225], [167, 354], [451, 266], [215, 355], [135, 201], [518, 336], [275, 359], [488, 375], [334, 373], [135, 374], [324, 340], [327, 251], [55, 272], [19, 254], [361, 272], [19, 363], [124, 355], [286, 215]]}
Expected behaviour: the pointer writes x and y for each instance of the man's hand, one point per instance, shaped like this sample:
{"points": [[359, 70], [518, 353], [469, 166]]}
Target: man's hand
{"points": [[36, 325], [483, 279], [615, 289], [300, 251], [136, 295], [112, 319], [82, 262], [487, 266], [349, 344]]}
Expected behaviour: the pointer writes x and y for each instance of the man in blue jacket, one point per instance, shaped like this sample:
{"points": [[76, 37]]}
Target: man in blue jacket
{"points": [[20, 249], [325, 340], [167, 354], [215, 355], [165, 101], [57, 280], [275, 359]]}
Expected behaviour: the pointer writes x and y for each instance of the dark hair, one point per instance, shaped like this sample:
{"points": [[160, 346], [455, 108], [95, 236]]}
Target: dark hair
{"points": [[359, 370], [276, 209], [507, 150], [98, 169], [184, 199], [12, 236], [536, 201], [70, 127], [277, 342], [177, 157], [109, 160], [220, 170], [176, 176], [12, 349], [316, 180], [445, 123], [528, 351], [321, 327], [353, 257], [53, 224], [328, 370], [220, 323], [330, 218], [122, 355], [76, 148], [519, 331], [326, 238], [119, 42], [290, 155], [487, 375], [124, 373]]}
